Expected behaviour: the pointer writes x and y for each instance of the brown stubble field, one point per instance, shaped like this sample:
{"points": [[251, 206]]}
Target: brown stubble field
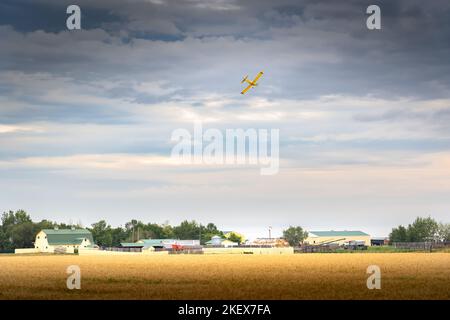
{"points": [[299, 276]]}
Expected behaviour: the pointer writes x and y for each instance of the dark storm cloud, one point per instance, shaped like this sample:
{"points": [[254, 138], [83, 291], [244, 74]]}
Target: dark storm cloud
{"points": [[30, 15], [408, 56], [148, 52]]}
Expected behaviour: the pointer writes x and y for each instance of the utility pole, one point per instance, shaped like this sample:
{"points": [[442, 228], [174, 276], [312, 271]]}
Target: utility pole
{"points": [[270, 232]]}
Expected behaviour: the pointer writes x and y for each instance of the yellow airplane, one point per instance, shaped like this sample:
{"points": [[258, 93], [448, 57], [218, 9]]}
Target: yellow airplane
{"points": [[251, 83]]}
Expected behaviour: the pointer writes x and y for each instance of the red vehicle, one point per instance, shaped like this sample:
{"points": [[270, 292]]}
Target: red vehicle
{"points": [[177, 247]]}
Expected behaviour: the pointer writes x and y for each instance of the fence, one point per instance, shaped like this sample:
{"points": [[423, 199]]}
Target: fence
{"points": [[313, 249], [121, 249], [187, 250], [240, 246], [420, 246]]}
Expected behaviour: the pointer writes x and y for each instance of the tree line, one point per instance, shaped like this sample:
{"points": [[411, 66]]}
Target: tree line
{"points": [[422, 229], [134, 230], [17, 230]]}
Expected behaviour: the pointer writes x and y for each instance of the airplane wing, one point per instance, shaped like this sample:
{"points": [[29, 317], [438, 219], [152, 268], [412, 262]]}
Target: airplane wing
{"points": [[258, 76], [246, 89]]}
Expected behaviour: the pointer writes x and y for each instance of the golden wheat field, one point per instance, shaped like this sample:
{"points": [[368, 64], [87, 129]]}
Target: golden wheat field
{"points": [[300, 276]]}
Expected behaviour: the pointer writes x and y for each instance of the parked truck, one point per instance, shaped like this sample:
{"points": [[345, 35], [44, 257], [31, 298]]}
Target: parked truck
{"points": [[355, 245]]}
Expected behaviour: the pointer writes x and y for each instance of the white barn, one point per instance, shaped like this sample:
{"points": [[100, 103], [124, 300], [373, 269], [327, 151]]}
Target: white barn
{"points": [[64, 240]]}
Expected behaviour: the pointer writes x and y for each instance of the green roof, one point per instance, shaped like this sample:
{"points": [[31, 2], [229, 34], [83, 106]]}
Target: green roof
{"points": [[145, 243], [67, 236], [333, 233], [154, 242], [131, 244]]}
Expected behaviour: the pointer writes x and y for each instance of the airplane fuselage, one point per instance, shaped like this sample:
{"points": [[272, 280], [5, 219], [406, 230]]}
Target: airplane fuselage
{"points": [[251, 84]]}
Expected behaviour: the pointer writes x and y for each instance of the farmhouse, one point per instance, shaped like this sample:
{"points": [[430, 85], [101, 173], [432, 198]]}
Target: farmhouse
{"points": [[64, 240], [336, 237]]}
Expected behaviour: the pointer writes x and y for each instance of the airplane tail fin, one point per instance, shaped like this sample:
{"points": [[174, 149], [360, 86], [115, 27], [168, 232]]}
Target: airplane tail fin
{"points": [[245, 78]]}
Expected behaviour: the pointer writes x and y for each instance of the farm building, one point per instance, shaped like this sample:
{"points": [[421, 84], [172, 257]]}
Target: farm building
{"points": [[379, 241], [64, 240], [218, 241], [160, 243], [336, 237]]}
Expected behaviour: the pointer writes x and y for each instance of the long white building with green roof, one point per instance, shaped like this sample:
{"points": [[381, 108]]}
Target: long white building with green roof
{"points": [[336, 237], [63, 240]]}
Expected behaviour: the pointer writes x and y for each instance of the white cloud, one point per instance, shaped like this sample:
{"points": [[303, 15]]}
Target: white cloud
{"points": [[155, 88], [18, 128]]}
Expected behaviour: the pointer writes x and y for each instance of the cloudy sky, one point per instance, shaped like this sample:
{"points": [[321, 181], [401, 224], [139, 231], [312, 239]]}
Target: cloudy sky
{"points": [[86, 116]]}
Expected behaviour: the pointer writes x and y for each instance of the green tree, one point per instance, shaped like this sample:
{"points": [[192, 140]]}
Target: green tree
{"points": [[118, 235], [399, 234], [295, 235], [443, 232], [44, 224], [167, 232], [187, 230], [422, 229], [17, 230], [132, 228], [102, 233], [235, 238], [5, 243], [153, 231], [23, 235], [13, 218]]}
